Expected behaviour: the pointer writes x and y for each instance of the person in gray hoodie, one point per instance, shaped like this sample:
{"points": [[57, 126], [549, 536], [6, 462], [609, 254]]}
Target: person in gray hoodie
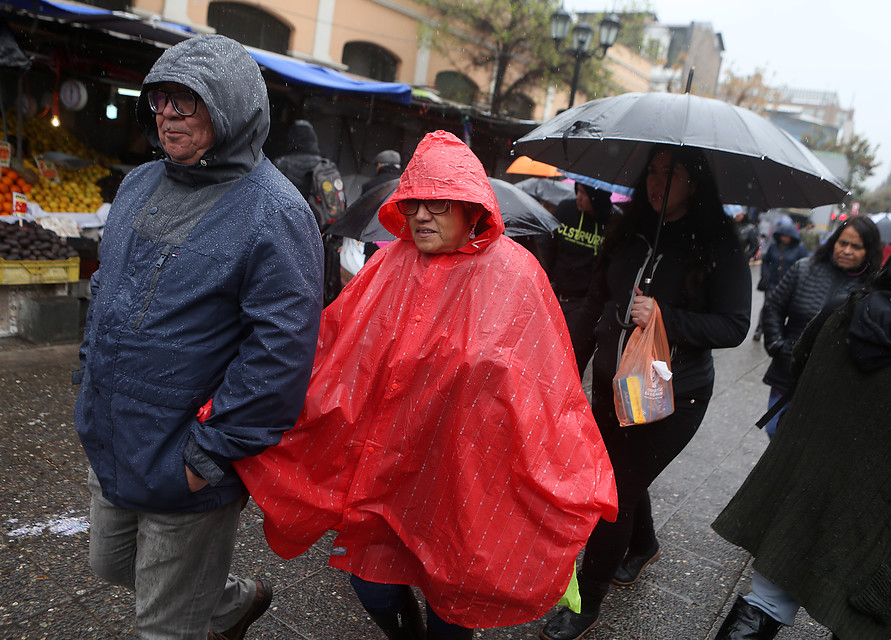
{"points": [[208, 296]]}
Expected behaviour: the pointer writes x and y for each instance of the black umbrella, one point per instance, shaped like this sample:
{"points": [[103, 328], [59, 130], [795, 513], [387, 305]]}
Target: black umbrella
{"points": [[523, 215], [883, 222], [547, 189], [754, 162]]}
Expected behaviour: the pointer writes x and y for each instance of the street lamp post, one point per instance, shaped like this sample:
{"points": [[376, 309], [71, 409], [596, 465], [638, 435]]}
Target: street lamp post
{"points": [[582, 36]]}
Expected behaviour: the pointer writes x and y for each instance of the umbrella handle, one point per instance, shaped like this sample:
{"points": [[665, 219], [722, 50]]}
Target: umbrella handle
{"points": [[645, 290], [622, 323]]}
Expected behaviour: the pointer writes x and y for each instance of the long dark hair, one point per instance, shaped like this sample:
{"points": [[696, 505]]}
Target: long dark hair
{"points": [[704, 209], [869, 234]]}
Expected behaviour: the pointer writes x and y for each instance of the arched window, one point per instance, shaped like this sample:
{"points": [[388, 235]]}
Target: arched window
{"points": [[370, 61], [249, 25], [456, 87], [518, 105]]}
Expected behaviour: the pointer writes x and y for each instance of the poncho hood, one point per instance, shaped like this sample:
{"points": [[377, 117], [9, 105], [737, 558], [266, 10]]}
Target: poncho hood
{"points": [[445, 168], [227, 78]]}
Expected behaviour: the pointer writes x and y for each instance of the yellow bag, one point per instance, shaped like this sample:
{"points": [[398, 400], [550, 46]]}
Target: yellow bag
{"points": [[642, 386], [572, 599]]}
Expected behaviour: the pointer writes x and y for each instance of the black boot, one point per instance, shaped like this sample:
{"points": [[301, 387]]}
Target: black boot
{"points": [[568, 625], [747, 622], [634, 564], [407, 624]]}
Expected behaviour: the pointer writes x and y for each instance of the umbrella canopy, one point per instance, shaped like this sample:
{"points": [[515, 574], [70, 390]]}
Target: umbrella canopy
{"points": [[523, 215], [547, 189], [883, 222], [754, 162], [529, 167], [616, 189]]}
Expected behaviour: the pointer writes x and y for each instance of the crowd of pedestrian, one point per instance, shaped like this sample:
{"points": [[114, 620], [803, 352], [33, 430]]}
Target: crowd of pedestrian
{"points": [[431, 412]]}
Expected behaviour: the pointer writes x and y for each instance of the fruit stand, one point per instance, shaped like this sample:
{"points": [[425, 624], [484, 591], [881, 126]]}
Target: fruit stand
{"points": [[40, 270]]}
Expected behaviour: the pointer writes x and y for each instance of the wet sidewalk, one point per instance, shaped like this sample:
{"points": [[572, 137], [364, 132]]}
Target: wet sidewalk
{"points": [[47, 589]]}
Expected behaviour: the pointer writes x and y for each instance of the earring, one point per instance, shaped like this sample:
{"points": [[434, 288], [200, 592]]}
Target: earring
{"points": [[473, 233]]}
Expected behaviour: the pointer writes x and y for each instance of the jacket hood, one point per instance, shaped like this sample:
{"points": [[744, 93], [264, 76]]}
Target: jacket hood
{"points": [[787, 229], [445, 168], [227, 78], [869, 337], [302, 138]]}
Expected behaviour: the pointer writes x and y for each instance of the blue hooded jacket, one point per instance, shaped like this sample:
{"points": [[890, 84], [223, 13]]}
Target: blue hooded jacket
{"points": [[209, 286], [779, 257]]}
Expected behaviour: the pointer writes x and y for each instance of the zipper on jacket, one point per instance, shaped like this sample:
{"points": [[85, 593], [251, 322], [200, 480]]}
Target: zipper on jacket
{"points": [[159, 265]]}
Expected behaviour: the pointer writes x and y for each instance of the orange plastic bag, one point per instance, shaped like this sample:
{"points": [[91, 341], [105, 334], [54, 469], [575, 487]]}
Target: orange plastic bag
{"points": [[642, 386]]}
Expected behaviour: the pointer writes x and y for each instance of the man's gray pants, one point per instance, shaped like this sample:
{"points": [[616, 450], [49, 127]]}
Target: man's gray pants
{"points": [[177, 564]]}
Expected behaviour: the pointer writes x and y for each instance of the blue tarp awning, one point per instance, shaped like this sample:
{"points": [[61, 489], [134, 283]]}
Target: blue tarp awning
{"points": [[328, 79], [120, 22], [132, 25]]}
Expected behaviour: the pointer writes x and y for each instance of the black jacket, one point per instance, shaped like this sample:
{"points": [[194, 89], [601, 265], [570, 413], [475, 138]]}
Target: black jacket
{"points": [[387, 173], [780, 257], [815, 511], [800, 295], [568, 257], [304, 155], [701, 313]]}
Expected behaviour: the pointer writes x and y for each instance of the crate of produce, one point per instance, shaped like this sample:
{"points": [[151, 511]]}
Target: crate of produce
{"points": [[14, 272]]}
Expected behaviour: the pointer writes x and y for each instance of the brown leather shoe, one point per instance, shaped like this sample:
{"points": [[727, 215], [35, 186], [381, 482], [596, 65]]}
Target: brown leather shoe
{"points": [[258, 607]]}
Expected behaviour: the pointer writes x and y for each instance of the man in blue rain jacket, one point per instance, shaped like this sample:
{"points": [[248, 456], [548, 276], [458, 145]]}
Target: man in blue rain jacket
{"points": [[209, 288]]}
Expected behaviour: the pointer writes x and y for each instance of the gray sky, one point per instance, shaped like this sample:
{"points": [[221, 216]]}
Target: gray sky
{"points": [[816, 44]]}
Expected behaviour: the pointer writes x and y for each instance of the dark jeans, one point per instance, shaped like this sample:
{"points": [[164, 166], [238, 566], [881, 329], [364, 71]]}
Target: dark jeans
{"points": [[390, 599], [638, 453]]}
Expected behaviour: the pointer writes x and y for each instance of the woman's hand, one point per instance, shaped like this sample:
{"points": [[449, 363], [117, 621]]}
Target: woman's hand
{"points": [[641, 308]]}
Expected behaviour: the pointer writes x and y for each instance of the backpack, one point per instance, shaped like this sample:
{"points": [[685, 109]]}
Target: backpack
{"points": [[327, 196]]}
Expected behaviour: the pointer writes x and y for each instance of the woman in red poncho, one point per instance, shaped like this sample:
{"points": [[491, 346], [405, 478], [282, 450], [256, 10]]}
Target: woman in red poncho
{"points": [[445, 435]]}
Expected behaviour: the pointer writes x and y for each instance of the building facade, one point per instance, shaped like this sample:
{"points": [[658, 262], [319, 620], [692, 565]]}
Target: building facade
{"points": [[679, 49], [812, 113], [386, 40]]}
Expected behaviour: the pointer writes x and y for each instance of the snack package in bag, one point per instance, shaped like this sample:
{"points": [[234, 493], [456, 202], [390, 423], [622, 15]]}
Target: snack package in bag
{"points": [[642, 385]]}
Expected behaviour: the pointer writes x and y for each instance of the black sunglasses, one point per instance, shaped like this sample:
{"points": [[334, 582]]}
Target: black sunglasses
{"points": [[185, 103]]}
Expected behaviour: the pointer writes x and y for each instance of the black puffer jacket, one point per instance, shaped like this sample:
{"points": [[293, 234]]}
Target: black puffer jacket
{"points": [[801, 294]]}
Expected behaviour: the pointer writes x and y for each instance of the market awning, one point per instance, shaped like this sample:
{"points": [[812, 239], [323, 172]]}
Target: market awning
{"points": [[131, 25], [328, 79], [119, 22]]}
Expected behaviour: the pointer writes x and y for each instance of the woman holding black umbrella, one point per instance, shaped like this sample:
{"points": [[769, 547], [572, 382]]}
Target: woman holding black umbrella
{"points": [[700, 279]]}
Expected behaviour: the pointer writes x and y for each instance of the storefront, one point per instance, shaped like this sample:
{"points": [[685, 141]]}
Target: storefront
{"points": [[70, 129]]}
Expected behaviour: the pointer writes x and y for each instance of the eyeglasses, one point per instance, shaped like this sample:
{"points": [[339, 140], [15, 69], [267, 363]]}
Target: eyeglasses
{"points": [[185, 103], [436, 207]]}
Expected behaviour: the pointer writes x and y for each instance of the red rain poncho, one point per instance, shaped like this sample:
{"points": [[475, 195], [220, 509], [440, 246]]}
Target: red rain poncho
{"points": [[445, 434]]}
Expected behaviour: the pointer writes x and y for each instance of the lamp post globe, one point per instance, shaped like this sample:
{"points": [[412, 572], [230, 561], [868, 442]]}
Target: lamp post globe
{"points": [[560, 25], [582, 37]]}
